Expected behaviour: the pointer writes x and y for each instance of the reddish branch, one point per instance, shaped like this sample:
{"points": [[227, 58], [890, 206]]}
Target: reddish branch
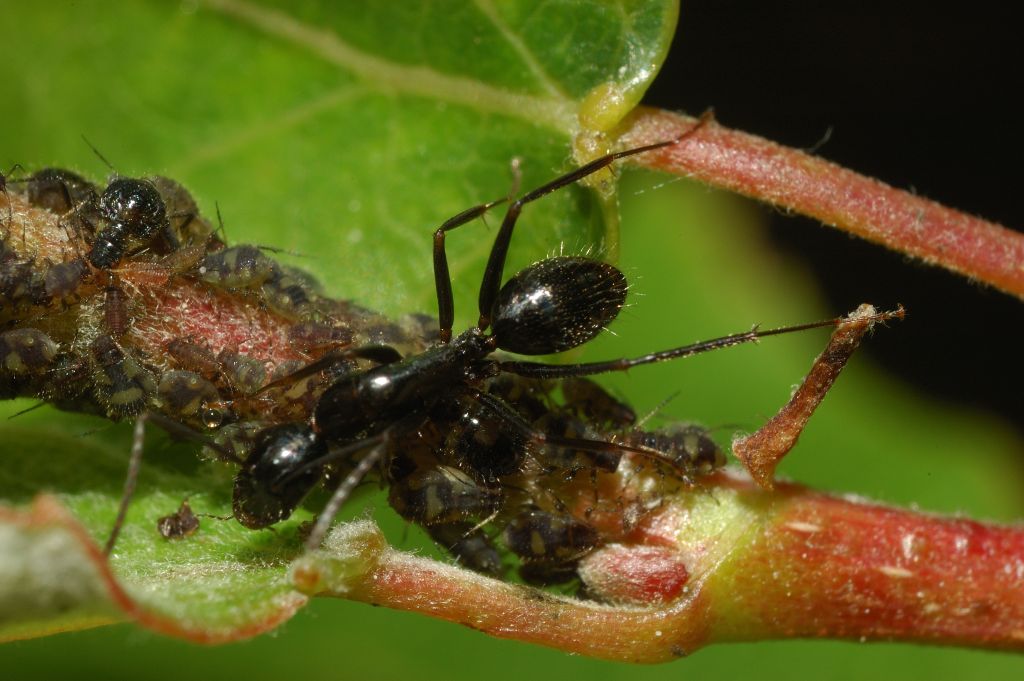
{"points": [[812, 186]]}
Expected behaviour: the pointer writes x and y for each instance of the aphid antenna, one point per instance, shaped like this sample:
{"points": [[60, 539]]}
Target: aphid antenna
{"points": [[656, 410], [99, 155]]}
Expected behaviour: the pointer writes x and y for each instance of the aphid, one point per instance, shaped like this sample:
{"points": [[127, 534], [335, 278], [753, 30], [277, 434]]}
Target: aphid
{"points": [[121, 385], [470, 546], [26, 351], [553, 539], [186, 227], [116, 319], [134, 212], [182, 523], [556, 304], [441, 495], [192, 399], [58, 190], [237, 267], [61, 281], [244, 374]]}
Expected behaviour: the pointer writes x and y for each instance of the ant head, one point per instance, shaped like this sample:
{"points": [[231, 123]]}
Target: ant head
{"points": [[136, 204], [276, 476], [557, 304]]}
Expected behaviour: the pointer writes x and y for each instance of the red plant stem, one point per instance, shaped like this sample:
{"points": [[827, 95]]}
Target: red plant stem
{"points": [[806, 184], [833, 568], [811, 566]]}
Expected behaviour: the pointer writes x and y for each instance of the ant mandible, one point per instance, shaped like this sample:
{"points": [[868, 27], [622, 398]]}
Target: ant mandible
{"points": [[554, 305]]}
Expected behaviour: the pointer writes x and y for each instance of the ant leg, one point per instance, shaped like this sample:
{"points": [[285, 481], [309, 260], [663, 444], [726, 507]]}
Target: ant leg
{"points": [[607, 463], [134, 462], [491, 283], [442, 277], [344, 491], [539, 370], [381, 354]]}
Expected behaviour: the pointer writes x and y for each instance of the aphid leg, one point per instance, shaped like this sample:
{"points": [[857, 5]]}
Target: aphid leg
{"points": [[491, 283], [762, 451], [3, 188], [134, 462], [344, 491]]}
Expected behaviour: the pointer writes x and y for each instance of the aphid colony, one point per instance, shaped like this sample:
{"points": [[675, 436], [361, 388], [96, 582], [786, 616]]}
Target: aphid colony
{"points": [[124, 302]]}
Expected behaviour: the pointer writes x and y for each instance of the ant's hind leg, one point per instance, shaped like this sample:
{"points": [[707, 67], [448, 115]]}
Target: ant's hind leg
{"points": [[491, 283], [442, 277]]}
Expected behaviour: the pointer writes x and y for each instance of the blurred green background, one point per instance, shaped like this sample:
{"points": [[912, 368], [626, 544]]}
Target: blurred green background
{"points": [[361, 186]]}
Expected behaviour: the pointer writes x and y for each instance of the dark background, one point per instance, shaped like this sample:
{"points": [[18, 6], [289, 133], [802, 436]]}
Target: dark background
{"points": [[915, 95]]}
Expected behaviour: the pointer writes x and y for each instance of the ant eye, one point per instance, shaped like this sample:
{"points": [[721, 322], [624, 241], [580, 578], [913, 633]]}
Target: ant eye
{"points": [[557, 304]]}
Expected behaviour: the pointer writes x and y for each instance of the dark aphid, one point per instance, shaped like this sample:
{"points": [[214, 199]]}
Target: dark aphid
{"points": [[442, 495], [245, 374], [287, 295], [121, 384], [191, 398], [182, 523], [21, 281], [277, 475], [480, 440], [134, 212], [26, 351], [470, 546], [592, 402], [687, 447], [185, 225], [536, 535], [238, 267], [116, 318], [570, 460], [59, 191], [61, 281], [548, 574]]}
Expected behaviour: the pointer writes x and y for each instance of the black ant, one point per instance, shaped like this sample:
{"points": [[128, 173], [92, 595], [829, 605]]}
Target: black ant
{"points": [[554, 305]]}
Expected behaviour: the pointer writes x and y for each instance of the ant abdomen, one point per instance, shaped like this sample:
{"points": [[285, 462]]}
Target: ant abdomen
{"points": [[557, 304], [276, 476]]}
